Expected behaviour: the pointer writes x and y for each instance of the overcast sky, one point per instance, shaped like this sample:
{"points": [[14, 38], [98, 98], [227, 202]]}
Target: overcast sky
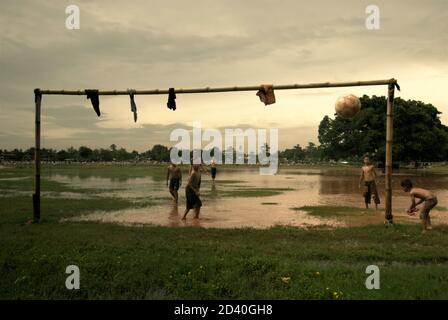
{"points": [[148, 44]]}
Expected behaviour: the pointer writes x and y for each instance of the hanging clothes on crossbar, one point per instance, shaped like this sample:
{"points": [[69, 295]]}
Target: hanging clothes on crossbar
{"points": [[93, 95], [133, 105], [266, 94], [171, 104]]}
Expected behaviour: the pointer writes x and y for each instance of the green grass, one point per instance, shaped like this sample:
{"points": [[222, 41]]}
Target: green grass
{"points": [[195, 263], [153, 262]]}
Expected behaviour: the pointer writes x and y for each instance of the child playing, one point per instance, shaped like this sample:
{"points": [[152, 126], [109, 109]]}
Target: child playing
{"points": [[368, 175], [192, 192], [426, 196], [174, 177]]}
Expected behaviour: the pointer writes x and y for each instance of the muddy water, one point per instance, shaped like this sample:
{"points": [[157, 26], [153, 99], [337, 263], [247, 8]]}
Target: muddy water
{"points": [[305, 188], [136, 188]]}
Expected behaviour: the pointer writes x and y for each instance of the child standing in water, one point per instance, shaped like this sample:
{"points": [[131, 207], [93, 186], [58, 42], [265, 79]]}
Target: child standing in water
{"points": [[192, 192], [368, 176], [174, 178], [426, 196]]}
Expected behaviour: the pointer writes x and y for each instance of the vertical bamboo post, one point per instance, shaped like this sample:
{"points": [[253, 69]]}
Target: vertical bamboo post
{"points": [[36, 195], [389, 141]]}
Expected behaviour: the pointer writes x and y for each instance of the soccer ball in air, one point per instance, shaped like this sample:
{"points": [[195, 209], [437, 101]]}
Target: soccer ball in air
{"points": [[347, 106]]}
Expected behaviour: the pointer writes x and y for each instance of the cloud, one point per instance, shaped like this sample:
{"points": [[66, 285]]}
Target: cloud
{"points": [[162, 44]]}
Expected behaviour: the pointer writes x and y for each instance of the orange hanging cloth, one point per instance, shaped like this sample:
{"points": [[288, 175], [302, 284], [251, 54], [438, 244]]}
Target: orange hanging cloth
{"points": [[266, 94]]}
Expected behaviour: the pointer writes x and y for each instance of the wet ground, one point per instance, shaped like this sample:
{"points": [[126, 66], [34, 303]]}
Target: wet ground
{"points": [[237, 200]]}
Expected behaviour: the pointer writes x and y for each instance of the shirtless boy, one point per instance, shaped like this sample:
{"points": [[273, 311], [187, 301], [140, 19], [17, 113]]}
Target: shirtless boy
{"points": [[192, 192], [174, 178], [368, 175], [423, 195]]}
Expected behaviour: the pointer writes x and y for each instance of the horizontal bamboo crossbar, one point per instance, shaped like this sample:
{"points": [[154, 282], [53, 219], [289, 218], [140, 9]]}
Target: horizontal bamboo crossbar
{"points": [[226, 89]]}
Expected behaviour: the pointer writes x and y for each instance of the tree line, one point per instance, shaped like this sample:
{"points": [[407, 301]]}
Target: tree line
{"points": [[419, 136], [158, 153], [83, 153]]}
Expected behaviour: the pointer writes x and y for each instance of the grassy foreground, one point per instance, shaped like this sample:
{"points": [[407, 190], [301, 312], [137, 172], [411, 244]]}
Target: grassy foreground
{"points": [[194, 263]]}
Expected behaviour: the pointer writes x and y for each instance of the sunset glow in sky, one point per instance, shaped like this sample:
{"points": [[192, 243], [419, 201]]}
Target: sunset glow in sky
{"points": [[188, 44]]}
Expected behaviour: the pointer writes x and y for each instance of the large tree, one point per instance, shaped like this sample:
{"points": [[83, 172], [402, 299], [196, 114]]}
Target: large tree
{"points": [[85, 152], [295, 154], [418, 133], [160, 153]]}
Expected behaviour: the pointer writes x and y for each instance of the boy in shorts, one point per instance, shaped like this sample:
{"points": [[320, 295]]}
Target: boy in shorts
{"points": [[368, 176], [174, 178], [192, 192], [423, 195]]}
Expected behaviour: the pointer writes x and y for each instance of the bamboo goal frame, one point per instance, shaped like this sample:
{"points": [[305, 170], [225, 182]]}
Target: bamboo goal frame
{"points": [[391, 84]]}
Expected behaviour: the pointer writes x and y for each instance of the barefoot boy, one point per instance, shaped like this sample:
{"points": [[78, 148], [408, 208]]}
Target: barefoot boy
{"points": [[426, 196], [174, 177], [192, 192], [368, 175]]}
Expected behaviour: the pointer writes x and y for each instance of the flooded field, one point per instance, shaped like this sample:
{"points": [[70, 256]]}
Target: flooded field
{"points": [[239, 197]]}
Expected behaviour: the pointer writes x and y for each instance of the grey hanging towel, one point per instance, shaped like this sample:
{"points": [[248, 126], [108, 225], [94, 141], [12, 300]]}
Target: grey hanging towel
{"points": [[171, 99], [92, 94], [133, 105]]}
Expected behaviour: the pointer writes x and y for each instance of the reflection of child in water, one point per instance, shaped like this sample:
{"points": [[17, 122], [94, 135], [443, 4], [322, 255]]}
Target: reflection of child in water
{"points": [[368, 175], [426, 196]]}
